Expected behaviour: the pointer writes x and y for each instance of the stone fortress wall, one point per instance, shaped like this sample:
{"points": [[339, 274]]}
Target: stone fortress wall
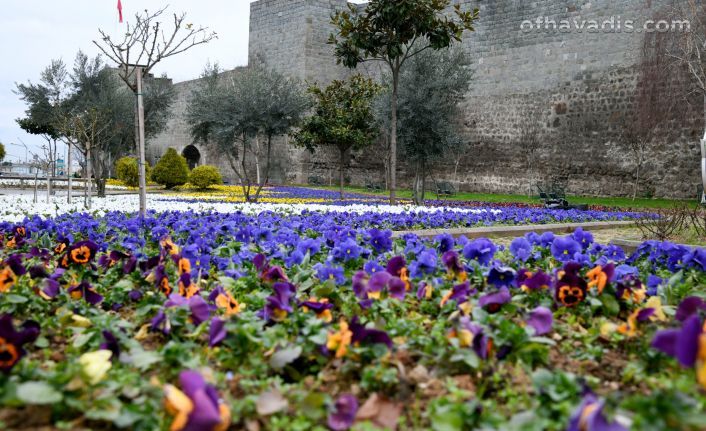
{"points": [[575, 82]]}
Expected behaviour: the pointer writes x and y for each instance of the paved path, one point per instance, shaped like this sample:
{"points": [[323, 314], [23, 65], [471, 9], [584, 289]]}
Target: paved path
{"points": [[515, 231]]}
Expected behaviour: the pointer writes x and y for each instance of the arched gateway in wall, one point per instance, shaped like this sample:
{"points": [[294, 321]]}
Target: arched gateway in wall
{"points": [[192, 156]]}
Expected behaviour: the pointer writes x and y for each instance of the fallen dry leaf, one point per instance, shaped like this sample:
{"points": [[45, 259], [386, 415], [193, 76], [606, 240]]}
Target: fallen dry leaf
{"points": [[270, 402], [380, 411]]}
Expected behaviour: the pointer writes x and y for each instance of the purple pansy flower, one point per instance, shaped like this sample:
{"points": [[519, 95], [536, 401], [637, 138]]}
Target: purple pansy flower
{"points": [[111, 343], [217, 332], [533, 281], [278, 305], [361, 334], [86, 291], [200, 311], [492, 302], [684, 344], [197, 406], [343, 414], [688, 307], [12, 341], [501, 276], [541, 320], [589, 416]]}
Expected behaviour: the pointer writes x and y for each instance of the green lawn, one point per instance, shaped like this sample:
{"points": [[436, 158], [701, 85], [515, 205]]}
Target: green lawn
{"points": [[486, 197]]}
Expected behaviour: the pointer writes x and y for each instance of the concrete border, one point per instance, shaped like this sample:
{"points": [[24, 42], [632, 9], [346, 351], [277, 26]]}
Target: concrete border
{"points": [[631, 245], [515, 231]]}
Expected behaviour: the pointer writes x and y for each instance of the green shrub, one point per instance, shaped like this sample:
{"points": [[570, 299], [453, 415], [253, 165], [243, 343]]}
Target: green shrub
{"points": [[126, 171], [205, 176], [171, 170]]}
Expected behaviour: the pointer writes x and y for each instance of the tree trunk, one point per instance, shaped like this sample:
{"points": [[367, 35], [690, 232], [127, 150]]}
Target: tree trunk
{"points": [[49, 183], [637, 183], [393, 136], [340, 172], [267, 168], [68, 173], [100, 187], [424, 181], [246, 180], [257, 158], [89, 180], [36, 184]]}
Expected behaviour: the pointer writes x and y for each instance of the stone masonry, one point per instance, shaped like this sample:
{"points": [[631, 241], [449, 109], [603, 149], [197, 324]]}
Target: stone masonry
{"points": [[575, 82]]}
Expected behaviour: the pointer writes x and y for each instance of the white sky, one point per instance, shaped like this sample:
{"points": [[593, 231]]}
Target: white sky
{"points": [[33, 32]]}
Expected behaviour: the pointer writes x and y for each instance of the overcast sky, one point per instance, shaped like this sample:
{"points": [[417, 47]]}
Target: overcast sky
{"points": [[33, 32]]}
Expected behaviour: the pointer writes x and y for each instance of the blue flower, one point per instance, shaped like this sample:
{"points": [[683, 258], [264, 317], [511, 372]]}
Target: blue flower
{"points": [[564, 248], [521, 249], [309, 245], [582, 237], [501, 276], [347, 250], [425, 264], [380, 240], [328, 272], [445, 242], [481, 250]]}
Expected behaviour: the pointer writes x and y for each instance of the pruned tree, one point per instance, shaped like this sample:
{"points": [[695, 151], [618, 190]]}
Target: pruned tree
{"points": [[98, 101], [343, 118], [143, 45], [687, 50], [44, 109], [231, 112], [393, 31], [431, 88]]}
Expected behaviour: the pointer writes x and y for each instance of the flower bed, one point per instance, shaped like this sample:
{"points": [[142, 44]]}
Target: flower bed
{"points": [[16, 207], [319, 321]]}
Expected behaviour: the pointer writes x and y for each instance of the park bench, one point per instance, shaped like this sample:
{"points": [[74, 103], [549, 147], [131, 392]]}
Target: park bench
{"points": [[315, 181], [374, 187], [553, 196], [445, 188]]}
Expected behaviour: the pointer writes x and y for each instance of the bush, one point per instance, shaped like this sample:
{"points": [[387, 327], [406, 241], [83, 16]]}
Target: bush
{"points": [[171, 170], [126, 171], [205, 176]]}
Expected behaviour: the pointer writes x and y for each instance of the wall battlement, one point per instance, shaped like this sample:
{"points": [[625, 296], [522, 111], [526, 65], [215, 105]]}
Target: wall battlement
{"points": [[576, 81]]}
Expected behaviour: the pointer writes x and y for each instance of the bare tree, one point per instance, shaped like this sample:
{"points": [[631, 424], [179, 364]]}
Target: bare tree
{"points": [[658, 106], [530, 128], [689, 51], [143, 45]]}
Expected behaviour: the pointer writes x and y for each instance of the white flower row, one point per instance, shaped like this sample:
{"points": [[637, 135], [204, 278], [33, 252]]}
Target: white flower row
{"points": [[77, 183], [14, 208]]}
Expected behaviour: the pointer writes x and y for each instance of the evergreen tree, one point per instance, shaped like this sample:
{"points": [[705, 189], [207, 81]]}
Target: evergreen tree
{"points": [[171, 170]]}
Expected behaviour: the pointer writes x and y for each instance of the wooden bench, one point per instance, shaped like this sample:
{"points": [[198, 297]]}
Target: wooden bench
{"points": [[553, 196], [445, 188], [374, 187], [315, 181]]}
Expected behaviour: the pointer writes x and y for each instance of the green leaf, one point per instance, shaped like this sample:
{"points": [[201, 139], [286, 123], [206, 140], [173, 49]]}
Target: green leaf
{"points": [[82, 339], [447, 418], [38, 393], [143, 359], [16, 299], [610, 305]]}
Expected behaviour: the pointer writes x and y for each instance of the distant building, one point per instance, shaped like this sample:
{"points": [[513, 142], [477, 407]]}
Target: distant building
{"points": [[22, 168]]}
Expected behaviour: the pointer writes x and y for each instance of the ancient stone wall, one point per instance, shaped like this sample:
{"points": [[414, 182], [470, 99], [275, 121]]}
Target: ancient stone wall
{"points": [[576, 83]]}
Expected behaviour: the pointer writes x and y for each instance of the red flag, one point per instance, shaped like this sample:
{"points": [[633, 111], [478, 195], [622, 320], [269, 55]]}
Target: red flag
{"points": [[120, 11]]}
